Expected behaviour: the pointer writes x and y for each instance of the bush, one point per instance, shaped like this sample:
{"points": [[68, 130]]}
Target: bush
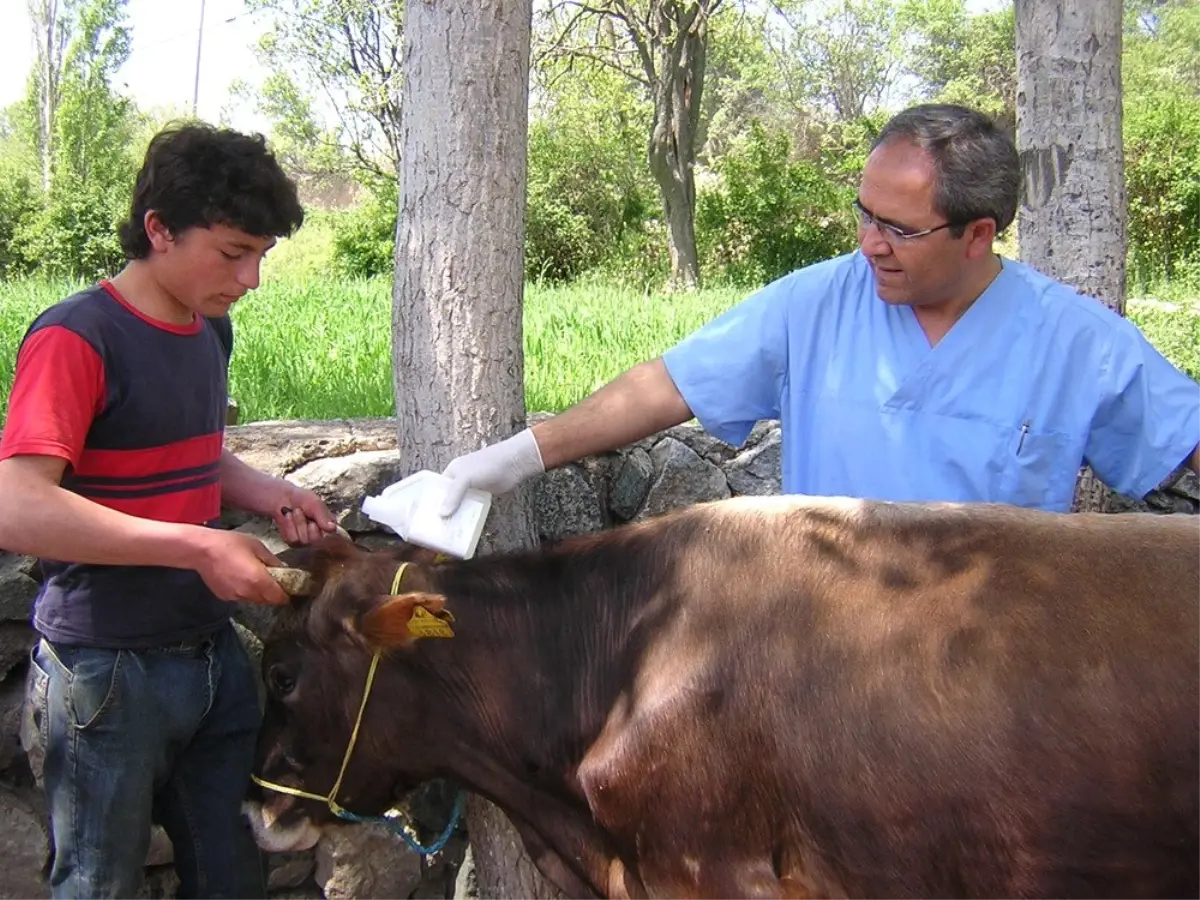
{"points": [[75, 234], [763, 215], [364, 241], [20, 205], [590, 193], [1162, 177]]}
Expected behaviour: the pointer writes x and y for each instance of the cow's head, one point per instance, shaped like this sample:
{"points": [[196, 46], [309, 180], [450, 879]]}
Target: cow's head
{"points": [[315, 668]]}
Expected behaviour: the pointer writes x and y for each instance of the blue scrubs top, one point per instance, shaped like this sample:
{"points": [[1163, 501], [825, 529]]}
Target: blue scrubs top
{"points": [[1032, 380]]}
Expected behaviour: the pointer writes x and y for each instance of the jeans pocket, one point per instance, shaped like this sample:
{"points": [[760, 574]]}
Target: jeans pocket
{"points": [[35, 715], [93, 685]]}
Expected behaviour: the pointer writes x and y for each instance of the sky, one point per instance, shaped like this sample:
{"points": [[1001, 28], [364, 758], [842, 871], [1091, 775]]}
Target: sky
{"points": [[161, 70]]}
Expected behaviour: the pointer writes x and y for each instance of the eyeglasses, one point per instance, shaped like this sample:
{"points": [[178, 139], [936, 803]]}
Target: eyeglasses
{"points": [[866, 219]]}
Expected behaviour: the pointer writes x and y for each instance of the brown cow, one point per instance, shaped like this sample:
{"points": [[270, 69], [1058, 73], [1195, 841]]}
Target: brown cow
{"points": [[768, 697]]}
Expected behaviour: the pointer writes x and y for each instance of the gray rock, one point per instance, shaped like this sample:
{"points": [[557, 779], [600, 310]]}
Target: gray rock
{"points": [[16, 640], [466, 884], [681, 479], [23, 848], [343, 481], [630, 484], [566, 503], [289, 870], [365, 861], [1187, 484], [280, 447], [17, 587], [12, 708], [757, 470], [701, 442]]}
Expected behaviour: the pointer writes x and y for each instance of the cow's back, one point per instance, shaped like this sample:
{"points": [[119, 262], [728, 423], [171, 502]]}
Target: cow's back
{"points": [[926, 700]]}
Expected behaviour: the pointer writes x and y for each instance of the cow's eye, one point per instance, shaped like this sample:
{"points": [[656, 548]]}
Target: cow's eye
{"points": [[280, 681]]}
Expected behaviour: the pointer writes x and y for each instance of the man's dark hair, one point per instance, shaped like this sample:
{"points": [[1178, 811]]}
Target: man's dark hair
{"points": [[978, 173], [198, 175]]}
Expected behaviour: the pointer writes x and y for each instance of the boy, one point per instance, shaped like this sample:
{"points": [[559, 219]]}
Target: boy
{"points": [[112, 471]]}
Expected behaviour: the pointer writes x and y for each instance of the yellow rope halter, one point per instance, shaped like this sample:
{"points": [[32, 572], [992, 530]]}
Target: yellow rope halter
{"points": [[329, 798]]}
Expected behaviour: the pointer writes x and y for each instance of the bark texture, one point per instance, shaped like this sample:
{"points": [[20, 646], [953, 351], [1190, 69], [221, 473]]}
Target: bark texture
{"points": [[1071, 221], [456, 321]]}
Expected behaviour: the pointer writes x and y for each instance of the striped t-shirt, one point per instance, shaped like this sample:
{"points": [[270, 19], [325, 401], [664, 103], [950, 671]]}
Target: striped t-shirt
{"points": [[137, 409]]}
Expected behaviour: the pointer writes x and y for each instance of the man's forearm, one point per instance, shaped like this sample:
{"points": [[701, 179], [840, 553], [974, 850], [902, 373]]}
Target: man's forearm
{"points": [[1193, 461], [634, 405], [246, 488]]}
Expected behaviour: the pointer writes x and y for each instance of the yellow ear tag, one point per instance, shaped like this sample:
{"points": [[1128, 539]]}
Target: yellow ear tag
{"points": [[425, 624]]}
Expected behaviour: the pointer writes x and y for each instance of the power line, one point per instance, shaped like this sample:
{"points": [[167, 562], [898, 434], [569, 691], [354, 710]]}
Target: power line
{"points": [[182, 34], [199, 42]]}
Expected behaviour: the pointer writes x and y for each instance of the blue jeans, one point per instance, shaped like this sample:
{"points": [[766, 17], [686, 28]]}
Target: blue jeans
{"points": [[134, 737]]}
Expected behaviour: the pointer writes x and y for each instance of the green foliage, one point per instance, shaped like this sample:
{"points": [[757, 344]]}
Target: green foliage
{"points": [[766, 215], [1173, 329], [348, 52], [75, 234], [20, 203], [364, 242], [839, 59], [1161, 75], [321, 348], [308, 255], [70, 230], [964, 58], [589, 190], [20, 303]]}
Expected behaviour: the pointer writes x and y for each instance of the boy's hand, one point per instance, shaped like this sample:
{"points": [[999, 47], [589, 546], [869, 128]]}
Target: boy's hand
{"points": [[234, 566], [301, 516]]}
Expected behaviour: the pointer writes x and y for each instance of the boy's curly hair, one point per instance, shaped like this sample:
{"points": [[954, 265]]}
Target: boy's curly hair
{"points": [[199, 175]]}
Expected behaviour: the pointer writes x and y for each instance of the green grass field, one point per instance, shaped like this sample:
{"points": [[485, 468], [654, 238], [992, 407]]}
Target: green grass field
{"points": [[322, 349]]}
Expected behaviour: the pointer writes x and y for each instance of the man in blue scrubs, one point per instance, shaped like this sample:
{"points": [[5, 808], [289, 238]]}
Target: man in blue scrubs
{"points": [[921, 367]]}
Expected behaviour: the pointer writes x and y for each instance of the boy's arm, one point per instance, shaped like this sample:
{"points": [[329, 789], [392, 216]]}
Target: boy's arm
{"points": [[41, 518], [299, 514]]}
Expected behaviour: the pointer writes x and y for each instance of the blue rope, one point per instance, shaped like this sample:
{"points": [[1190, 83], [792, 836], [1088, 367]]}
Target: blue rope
{"points": [[397, 828]]}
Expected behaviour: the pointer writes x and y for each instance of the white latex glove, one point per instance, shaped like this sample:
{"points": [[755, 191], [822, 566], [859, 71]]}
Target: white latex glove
{"points": [[497, 469]]}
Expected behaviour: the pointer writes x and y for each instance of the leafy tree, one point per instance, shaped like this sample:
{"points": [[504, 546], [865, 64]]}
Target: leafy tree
{"points": [[661, 45], [964, 58], [1161, 79], [836, 57], [588, 186], [73, 230], [51, 21], [347, 53]]}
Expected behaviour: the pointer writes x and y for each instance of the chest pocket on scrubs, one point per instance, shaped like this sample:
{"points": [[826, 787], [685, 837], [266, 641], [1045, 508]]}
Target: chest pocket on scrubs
{"points": [[1038, 469]]}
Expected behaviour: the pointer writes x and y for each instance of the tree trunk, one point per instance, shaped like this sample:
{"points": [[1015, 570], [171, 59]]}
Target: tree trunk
{"points": [[1071, 223], [456, 321], [678, 89], [48, 38]]}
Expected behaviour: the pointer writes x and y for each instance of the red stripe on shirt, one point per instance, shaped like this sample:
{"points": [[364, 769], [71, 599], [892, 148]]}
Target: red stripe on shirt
{"points": [[194, 507], [58, 389], [149, 461]]}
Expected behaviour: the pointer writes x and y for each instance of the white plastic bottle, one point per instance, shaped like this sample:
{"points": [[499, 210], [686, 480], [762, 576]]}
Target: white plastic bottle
{"points": [[411, 509]]}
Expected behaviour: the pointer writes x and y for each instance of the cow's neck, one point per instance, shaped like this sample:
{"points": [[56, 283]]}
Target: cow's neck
{"points": [[544, 644]]}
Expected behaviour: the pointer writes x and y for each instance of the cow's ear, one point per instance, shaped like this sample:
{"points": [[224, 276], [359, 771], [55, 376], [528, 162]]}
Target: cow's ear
{"points": [[399, 620]]}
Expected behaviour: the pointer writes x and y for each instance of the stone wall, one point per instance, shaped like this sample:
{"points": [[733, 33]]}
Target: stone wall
{"points": [[343, 461]]}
